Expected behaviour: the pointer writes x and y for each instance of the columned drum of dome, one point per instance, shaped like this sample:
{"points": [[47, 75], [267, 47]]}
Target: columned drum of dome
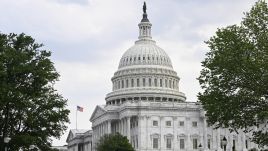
{"points": [[145, 72]]}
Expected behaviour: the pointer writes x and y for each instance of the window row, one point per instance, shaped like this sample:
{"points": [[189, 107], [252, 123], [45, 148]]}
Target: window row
{"points": [[145, 70], [169, 143], [169, 124], [145, 82], [153, 59]]}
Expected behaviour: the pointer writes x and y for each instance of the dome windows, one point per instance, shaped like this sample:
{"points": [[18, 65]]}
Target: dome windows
{"points": [[145, 78], [155, 82], [127, 83], [143, 82], [132, 82]]}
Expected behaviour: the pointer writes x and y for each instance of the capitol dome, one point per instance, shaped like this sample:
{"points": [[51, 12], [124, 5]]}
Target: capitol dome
{"points": [[145, 53], [145, 72]]}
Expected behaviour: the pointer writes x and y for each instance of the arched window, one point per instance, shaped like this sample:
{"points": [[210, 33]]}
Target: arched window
{"points": [[155, 82], [118, 84], [138, 82], [161, 83], [169, 83], [143, 82], [166, 85], [122, 83], [150, 82]]}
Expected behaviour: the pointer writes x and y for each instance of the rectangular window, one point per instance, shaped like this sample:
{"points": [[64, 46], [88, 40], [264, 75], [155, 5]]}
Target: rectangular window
{"points": [[155, 123], [168, 143], [122, 83], [168, 123], [246, 144], [150, 82], [143, 82], [138, 82], [194, 124], [161, 83], [166, 83], [127, 83], [209, 144], [155, 143], [132, 82], [182, 145], [155, 82], [194, 143], [181, 123]]}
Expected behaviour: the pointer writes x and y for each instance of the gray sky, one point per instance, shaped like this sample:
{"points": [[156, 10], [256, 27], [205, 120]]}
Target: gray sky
{"points": [[88, 37]]}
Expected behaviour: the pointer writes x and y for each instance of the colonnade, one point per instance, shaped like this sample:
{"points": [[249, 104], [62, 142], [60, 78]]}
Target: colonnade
{"points": [[121, 126]]}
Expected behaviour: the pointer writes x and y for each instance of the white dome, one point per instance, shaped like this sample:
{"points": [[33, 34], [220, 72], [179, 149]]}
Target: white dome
{"points": [[145, 72], [145, 52]]}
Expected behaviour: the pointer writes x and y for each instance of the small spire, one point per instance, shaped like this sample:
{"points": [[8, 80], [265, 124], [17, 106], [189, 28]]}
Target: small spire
{"points": [[144, 18], [145, 26]]}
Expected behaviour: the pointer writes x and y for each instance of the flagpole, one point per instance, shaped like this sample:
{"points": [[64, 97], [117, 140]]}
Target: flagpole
{"points": [[76, 119]]}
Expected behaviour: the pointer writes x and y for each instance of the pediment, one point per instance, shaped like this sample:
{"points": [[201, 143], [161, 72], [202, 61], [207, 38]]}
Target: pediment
{"points": [[97, 112], [70, 136]]}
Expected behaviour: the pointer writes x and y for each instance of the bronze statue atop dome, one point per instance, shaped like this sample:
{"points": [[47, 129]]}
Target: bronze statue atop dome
{"points": [[144, 8]]}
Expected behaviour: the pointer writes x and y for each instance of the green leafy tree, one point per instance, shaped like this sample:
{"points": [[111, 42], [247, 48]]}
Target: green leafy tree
{"points": [[31, 110], [114, 142], [235, 76]]}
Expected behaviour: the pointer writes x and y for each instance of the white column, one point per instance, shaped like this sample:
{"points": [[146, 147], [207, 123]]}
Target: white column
{"points": [[160, 126], [147, 132], [205, 144], [100, 130], [116, 126], [128, 128], [244, 141], [175, 126], [109, 127], [188, 141], [218, 140], [125, 127], [120, 126]]}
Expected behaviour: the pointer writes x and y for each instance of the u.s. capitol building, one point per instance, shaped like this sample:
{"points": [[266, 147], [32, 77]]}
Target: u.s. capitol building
{"points": [[147, 106]]}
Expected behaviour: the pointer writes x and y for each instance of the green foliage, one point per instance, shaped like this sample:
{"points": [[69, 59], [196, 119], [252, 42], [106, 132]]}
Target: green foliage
{"points": [[31, 110], [235, 75], [114, 142]]}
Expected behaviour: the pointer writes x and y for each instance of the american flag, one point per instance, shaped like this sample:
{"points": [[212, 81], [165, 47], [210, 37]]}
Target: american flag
{"points": [[79, 108]]}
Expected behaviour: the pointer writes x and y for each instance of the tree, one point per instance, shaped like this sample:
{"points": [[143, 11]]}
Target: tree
{"points": [[234, 77], [114, 142], [31, 110]]}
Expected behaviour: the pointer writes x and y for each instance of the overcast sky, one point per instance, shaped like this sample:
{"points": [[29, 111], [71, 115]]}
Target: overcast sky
{"points": [[88, 37]]}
